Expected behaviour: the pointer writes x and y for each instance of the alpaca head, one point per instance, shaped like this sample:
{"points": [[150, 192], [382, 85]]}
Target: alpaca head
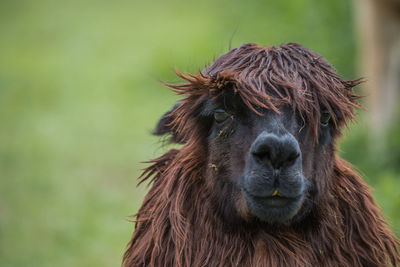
{"points": [[267, 118]]}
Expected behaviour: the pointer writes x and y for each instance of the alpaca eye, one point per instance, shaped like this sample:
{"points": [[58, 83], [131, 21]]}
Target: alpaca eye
{"points": [[220, 115], [325, 118]]}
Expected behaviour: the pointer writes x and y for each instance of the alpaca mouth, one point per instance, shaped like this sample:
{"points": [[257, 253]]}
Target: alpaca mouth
{"points": [[274, 208], [273, 201]]}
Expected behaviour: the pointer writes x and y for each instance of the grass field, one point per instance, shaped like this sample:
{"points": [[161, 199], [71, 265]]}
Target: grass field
{"points": [[79, 97]]}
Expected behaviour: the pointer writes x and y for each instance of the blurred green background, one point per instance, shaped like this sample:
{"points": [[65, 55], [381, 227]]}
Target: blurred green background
{"points": [[79, 97]]}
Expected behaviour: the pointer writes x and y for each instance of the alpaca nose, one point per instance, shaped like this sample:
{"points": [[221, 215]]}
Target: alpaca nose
{"points": [[277, 151]]}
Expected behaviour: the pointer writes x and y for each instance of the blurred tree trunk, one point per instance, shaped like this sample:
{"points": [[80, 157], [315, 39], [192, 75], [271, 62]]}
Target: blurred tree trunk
{"points": [[378, 27]]}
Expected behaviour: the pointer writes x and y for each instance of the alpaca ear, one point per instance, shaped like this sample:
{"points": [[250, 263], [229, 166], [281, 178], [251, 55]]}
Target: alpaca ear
{"points": [[164, 126]]}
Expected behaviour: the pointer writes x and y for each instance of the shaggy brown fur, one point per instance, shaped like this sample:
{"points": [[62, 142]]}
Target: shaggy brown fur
{"points": [[177, 224]]}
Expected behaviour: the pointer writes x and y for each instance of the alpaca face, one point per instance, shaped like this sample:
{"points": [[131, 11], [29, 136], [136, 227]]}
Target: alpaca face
{"points": [[262, 165], [267, 158]]}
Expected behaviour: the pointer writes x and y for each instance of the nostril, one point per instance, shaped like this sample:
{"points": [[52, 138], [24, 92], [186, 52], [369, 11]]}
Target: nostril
{"points": [[290, 160], [263, 156]]}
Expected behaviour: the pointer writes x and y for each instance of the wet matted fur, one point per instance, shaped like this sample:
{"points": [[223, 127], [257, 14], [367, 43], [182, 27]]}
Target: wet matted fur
{"points": [[192, 217]]}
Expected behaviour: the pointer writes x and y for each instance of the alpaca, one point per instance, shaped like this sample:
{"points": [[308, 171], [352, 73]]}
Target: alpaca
{"points": [[257, 181]]}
